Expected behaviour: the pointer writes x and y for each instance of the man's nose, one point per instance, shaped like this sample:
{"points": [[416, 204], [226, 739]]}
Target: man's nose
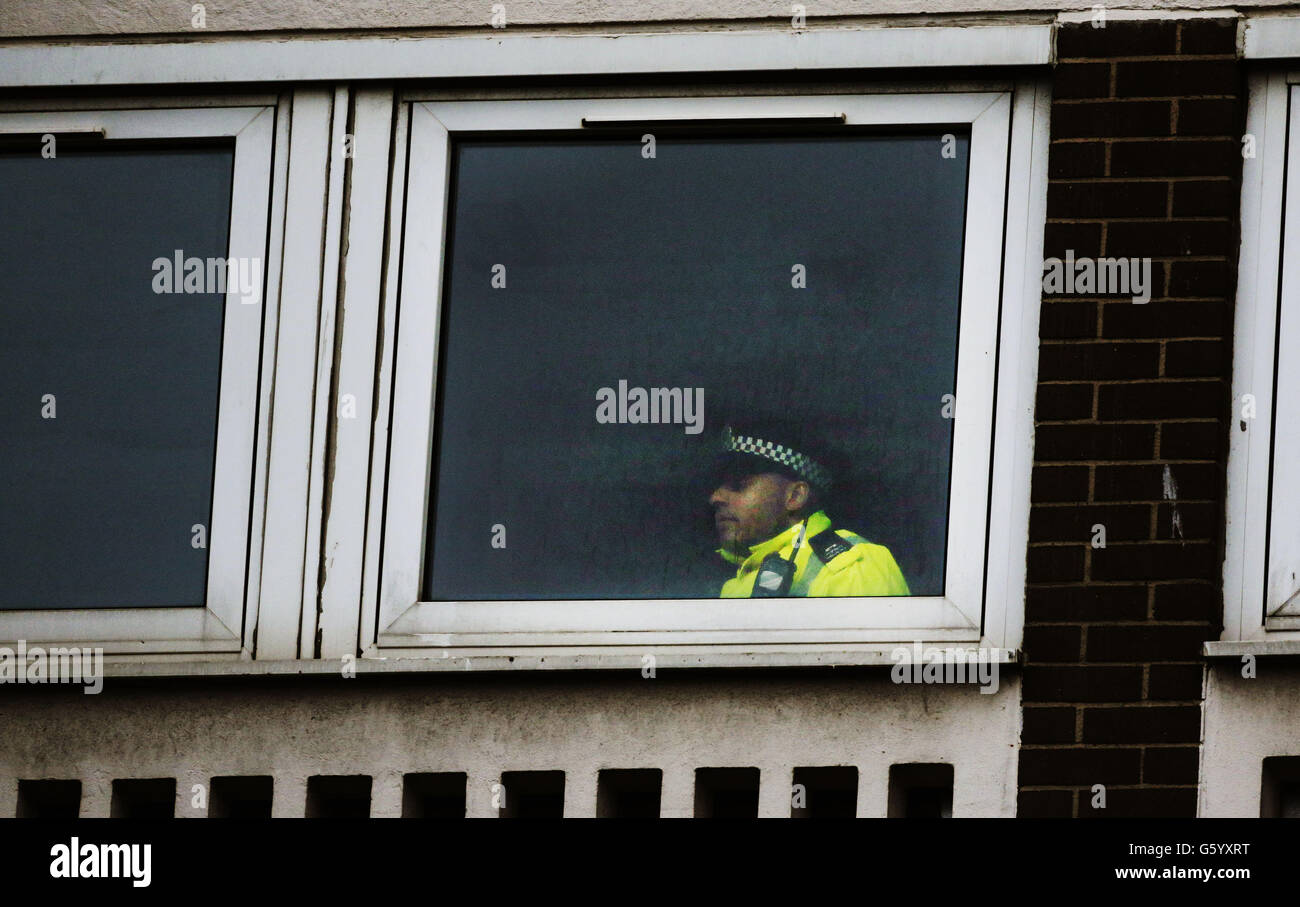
{"points": [[718, 497]]}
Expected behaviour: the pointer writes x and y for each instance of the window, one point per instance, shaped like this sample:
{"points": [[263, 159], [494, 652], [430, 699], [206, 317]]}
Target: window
{"points": [[135, 252], [1280, 788], [835, 259], [579, 392], [345, 406], [1262, 561]]}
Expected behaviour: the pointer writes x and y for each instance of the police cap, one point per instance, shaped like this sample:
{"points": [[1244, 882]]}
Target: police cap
{"points": [[751, 446]]}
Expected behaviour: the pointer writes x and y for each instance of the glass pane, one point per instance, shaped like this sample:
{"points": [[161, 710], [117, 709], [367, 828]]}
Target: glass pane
{"points": [[682, 270], [110, 406]]}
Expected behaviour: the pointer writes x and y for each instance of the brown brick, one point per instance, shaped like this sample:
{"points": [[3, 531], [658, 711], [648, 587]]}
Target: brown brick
{"points": [[1165, 319], [1206, 198], [1058, 402], [1082, 683], [1191, 481], [1052, 643], [1159, 274], [1162, 79], [1190, 440], [1125, 198], [1045, 804], [1210, 116], [1175, 682], [1067, 361], [1106, 119], [1188, 601], [1085, 603], [1156, 724], [1169, 238], [1079, 765], [1081, 80], [1076, 160], [1059, 483], [1094, 442], [1141, 644], [1176, 157], [1050, 725], [1129, 483], [1055, 564], [1125, 522], [1171, 765], [1195, 358], [1083, 239], [1196, 521], [1066, 320], [1201, 278], [1159, 400], [1208, 36], [1146, 37], [1157, 802], [1151, 164], [1154, 561]]}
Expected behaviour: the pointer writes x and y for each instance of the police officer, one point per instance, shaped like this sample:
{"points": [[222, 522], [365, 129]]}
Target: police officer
{"points": [[767, 511]]}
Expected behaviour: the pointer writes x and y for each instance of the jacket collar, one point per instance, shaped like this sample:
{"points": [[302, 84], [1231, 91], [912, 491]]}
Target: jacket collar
{"points": [[818, 522]]}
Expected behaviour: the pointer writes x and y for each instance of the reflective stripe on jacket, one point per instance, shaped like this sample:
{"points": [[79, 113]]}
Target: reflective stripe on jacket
{"points": [[865, 569]]}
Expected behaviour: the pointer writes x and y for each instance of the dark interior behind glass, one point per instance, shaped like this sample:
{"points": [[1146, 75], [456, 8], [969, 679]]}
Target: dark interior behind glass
{"points": [[676, 272], [98, 502]]}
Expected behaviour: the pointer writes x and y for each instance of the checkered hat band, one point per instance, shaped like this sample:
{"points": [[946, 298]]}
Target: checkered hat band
{"points": [[805, 466]]}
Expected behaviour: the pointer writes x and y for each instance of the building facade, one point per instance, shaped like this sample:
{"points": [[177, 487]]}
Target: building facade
{"points": [[1115, 526]]}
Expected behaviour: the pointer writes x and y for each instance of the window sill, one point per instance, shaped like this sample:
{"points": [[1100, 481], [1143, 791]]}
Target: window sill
{"points": [[1260, 648], [559, 661]]}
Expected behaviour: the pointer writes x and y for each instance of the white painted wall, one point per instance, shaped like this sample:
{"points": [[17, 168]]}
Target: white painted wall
{"points": [[486, 724], [33, 18], [1246, 719]]}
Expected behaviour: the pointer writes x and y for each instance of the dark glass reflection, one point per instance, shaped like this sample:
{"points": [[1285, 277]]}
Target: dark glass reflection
{"points": [[99, 501], [676, 272]]}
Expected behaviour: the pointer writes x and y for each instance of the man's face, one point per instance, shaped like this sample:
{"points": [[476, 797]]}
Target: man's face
{"points": [[749, 509]]}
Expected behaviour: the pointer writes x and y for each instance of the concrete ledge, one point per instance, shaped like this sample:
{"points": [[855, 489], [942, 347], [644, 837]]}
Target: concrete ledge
{"points": [[47, 64], [1271, 37], [120, 666], [1260, 648]]}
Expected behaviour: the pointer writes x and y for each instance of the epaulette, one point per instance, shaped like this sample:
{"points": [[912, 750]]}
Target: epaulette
{"points": [[828, 545]]}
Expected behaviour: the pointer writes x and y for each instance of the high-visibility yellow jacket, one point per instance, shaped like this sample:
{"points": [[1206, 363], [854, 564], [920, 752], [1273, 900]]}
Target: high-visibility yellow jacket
{"points": [[864, 569]]}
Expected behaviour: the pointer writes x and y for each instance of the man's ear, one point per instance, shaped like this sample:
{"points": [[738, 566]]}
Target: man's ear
{"points": [[797, 495]]}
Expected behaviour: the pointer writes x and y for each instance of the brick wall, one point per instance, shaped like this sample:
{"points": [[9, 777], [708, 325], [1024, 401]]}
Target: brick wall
{"points": [[1145, 162]]}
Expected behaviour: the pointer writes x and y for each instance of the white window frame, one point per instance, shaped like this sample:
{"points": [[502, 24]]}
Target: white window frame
{"points": [[217, 625], [518, 52], [1262, 550], [301, 606], [984, 585]]}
